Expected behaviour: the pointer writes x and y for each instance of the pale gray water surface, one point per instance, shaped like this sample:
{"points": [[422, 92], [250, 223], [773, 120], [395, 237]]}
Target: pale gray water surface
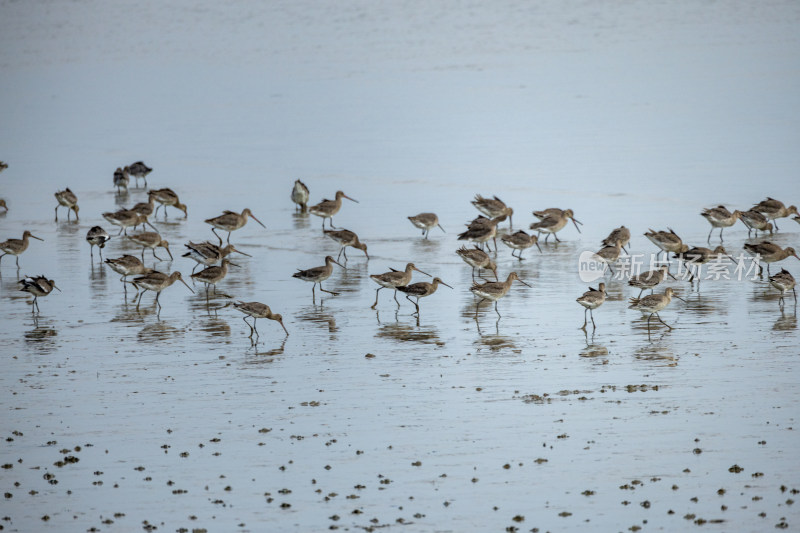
{"points": [[629, 114]]}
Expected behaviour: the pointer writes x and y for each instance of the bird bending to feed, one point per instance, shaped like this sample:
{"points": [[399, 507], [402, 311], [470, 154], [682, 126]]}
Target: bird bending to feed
{"points": [[426, 222], [139, 171], [477, 258], [493, 208], [621, 234], [784, 282], [591, 300], [258, 310], [774, 209], [520, 241], [421, 290], [493, 291], [97, 236], [667, 241], [38, 286], [125, 219], [481, 230], [317, 275], [346, 238], [68, 199], [754, 221], [121, 179], [553, 222], [699, 256], [652, 304], [16, 246], [327, 208], [300, 197], [231, 221], [393, 280], [720, 217], [152, 240], [128, 265], [168, 198], [207, 253], [649, 279], [156, 281], [769, 253]]}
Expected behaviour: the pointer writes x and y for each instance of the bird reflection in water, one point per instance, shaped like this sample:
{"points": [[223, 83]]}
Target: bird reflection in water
{"points": [[301, 220], [786, 322], [495, 343], [318, 316], [263, 356], [41, 337], [594, 350], [159, 332], [215, 327], [408, 333], [657, 353]]}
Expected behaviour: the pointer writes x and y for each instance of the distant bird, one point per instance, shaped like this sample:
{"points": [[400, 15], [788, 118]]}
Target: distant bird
{"points": [[300, 196], [231, 221], [649, 279], [774, 209], [767, 252], [213, 275], [520, 241], [652, 304], [426, 222], [126, 219], [421, 290], [16, 246], [3, 166], [493, 291], [754, 221], [3, 205], [258, 310], [167, 197], [621, 234], [481, 230], [699, 256], [128, 265], [610, 254], [555, 212], [121, 179], [720, 217], [139, 171], [591, 300], [156, 281], [493, 208], [328, 208], [667, 241], [152, 240], [477, 258], [554, 223], [317, 275], [38, 286], [97, 236], [68, 199], [346, 238], [393, 280], [784, 282], [207, 254]]}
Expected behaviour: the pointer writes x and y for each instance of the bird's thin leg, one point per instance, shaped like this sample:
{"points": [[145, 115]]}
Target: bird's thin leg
{"points": [[584, 319], [659, 319], [395, 299], [329, 292], [477, 305], [248, 325], [709, 234], [408, 297], [591, 314], [214, 230], [56, 213], [495, 309], [376, 298]]}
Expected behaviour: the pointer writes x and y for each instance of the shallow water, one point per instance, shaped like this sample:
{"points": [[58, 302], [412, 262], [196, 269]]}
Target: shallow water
{"points": [[365, 419]]}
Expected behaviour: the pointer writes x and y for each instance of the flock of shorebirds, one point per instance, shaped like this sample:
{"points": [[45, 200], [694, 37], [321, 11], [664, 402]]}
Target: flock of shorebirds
{"points": [[482, 231]]}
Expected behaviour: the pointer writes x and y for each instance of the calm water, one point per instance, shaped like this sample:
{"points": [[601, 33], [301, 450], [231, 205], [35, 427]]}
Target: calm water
{"points": [[177, 421]]}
